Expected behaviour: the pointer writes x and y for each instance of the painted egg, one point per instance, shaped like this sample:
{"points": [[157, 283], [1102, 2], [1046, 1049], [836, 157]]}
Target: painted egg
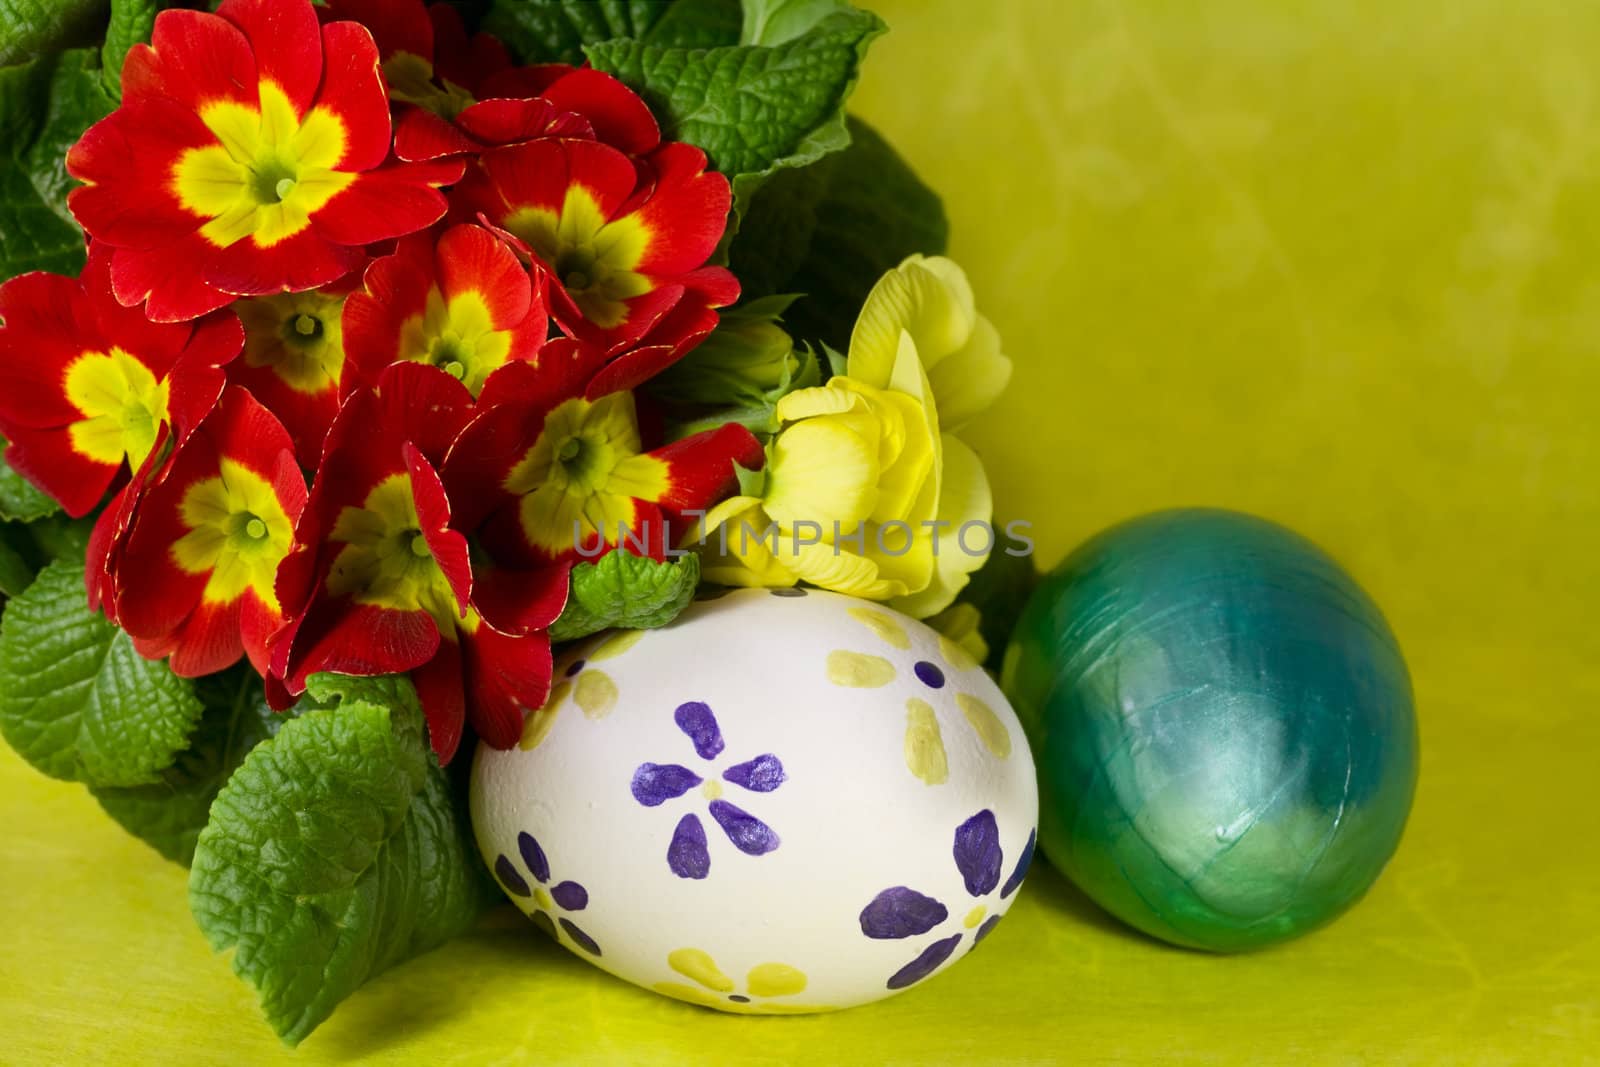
{"points": [[783, 802], [1223, 721]]}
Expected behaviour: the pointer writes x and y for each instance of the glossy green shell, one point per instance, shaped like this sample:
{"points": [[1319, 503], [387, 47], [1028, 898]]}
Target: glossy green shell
{"points": [[1223, 726]]}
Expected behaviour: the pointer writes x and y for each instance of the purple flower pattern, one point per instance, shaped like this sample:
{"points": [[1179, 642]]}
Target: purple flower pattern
{"points": [[900, 912], [655, 784], [548, 899]]}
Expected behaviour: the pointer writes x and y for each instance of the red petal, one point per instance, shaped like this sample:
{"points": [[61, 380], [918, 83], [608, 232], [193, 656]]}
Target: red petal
{"points": [[686, 214], [507, 678], [448, 547], [396, 289], [128, 159], [156, 345], [419, 134], [424, 406], [353, 89], [619, 117], [168, 280], [39, 338], [193, 58], [350, 638], [521, 601], [701, 466], [440, 689], [308, 260], [47, 459], [471, 259], [208, 641], [509, 122], [306, 416], [257, 623], [384, 204], [284, 38], [538, 174], [396, 25]]}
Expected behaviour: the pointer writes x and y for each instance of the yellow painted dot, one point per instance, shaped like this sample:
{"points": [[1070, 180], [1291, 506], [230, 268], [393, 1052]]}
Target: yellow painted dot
{"points": [[700, 967], [712, 789], [776, 980], [991, 731], [883, 626], [924, 745], [596, 694], [616, 645], [955, 655], [856, 670], [537, 725], [541, 897], [974, 917]]}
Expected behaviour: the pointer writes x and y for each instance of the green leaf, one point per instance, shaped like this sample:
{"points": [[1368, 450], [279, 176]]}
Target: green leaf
{"points": [[170, 814], [31, 27], [20, 500], [333, 853], [626, 591], [555, 31], [738, 374], [16, 571], [772, 22], [753, 109], [76, 700], [131, 24], [59, 537], [44, 108], [832, 229]]}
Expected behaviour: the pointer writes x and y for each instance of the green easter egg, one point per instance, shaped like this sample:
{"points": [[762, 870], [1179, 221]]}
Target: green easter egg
{"points": [[1223, 727]]}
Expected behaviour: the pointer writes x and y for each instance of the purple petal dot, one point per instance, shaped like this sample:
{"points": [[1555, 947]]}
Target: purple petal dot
{"points": [[749, 834], [542, 921], [930, 675], [533, 856], [571, 896], [696, 720], [787, 592], [738, 998], [509, 877], [579, 938], [656, 783], [983, 931], [577, 665], [925, 964], [760, 775], [1021, 870], [899, 912], [977, 853], [687, 855]]}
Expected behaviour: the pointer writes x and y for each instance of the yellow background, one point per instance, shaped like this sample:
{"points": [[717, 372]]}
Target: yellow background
{"points": [[1332, 261]]}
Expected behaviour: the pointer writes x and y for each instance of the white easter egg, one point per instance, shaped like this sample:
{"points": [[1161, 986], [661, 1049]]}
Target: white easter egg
{"points": [[783, 802]]}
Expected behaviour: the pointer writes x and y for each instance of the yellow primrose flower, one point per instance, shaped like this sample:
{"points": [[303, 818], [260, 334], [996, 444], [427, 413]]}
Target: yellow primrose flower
{"points": [[865, 491]]}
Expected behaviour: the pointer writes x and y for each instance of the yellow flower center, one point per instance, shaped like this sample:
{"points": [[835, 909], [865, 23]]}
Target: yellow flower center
{"points": [[386, 561], [268, 173], [122, 403], [458, 337], [299, 336], [238, 533], [583, 474], [595, 259]]}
